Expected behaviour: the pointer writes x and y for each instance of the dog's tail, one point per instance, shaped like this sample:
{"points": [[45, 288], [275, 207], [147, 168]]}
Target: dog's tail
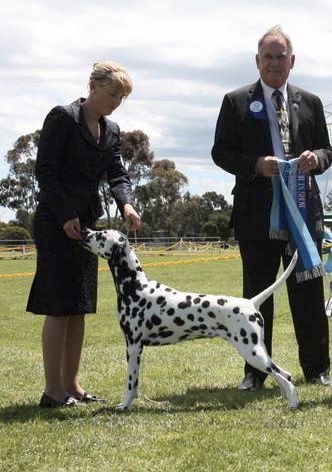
{"points": [[261, 297]]}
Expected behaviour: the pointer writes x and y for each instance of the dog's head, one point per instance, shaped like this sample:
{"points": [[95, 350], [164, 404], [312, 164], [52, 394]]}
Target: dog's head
{"points": [[103, 243]]}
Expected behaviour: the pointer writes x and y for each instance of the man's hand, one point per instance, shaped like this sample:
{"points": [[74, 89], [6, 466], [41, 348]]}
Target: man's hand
{"points": [[267, 166], [308, 161], [133, 220], [72, 229]]}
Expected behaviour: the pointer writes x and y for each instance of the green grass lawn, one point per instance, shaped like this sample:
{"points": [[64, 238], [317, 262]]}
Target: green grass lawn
{"points": [[189, 416]]}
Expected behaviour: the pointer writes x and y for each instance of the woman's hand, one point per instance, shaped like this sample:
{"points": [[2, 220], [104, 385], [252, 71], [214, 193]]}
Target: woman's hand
{"points": [[72, 229], [133, 220]]}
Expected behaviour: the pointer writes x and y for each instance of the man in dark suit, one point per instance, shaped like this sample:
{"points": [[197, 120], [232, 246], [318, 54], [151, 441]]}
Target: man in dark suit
{"points": [[248, 144]]}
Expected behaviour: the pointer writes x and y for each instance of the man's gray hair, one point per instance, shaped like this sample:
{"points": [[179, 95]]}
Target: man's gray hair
{"points": [[276, 31]]}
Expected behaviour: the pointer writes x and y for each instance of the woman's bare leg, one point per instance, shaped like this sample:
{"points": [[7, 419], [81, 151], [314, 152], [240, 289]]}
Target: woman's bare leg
{"points": [[72, 355], [53, 342]]}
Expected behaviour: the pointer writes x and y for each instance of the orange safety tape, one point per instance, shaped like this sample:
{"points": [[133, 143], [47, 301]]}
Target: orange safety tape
{"points": [[149, 264]]}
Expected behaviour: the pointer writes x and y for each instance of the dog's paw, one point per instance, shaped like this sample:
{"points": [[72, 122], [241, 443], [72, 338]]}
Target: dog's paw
{"points": [[122, 408], [294, 405]]}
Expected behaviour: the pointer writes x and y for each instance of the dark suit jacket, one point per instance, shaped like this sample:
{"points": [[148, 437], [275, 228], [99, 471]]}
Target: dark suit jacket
{"points": [[243, 136], [70, 165]]}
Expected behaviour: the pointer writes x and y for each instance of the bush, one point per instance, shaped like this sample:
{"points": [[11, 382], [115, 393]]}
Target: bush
{"points": [[10, 232]]}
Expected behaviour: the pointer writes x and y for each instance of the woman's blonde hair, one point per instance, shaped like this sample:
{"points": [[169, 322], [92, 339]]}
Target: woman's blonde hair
{"points": [[107, 72]]}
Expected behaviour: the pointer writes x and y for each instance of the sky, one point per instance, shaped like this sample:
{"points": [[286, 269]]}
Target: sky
{"points": [[182, 55]]}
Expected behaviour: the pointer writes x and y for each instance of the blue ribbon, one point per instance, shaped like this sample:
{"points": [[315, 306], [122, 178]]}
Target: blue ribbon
{"points": [[289, 216]]}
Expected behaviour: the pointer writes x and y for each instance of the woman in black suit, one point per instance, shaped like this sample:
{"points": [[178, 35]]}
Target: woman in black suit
{"points": [[78, 146]]}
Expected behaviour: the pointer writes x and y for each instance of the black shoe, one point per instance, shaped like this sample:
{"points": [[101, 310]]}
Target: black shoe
{"points": [[88, 398], [48, 402], [250, 382], [322, 379]]}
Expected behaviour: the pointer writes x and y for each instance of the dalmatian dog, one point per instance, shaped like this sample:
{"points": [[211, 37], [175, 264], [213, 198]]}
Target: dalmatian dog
{"points": [[153, 314]]}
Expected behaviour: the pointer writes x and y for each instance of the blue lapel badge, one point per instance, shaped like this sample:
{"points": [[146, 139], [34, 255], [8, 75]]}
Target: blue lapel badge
{"points": [[257, 109]]}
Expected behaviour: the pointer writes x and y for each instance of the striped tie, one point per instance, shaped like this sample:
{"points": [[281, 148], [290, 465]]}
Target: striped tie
{"points": [[283, 122]]}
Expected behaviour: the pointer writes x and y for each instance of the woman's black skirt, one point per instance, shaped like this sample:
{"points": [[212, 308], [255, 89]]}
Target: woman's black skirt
{"points": [[65, 282]]}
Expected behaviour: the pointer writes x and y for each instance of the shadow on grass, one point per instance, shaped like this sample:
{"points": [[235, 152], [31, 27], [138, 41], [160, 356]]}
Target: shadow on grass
{"points": [[194, 399], [29, 412], [198, 399]]}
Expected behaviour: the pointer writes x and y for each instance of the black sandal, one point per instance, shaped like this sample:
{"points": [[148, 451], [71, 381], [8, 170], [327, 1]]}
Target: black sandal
{"points": [[88, 398], [49, 402]]}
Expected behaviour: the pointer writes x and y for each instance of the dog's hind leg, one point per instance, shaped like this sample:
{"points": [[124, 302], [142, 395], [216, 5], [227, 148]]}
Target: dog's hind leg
{"points": [[260, 359], [133, 362], [287, 388]]}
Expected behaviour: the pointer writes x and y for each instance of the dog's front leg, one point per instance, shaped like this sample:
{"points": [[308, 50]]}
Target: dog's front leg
{"points": [[133, 359]]}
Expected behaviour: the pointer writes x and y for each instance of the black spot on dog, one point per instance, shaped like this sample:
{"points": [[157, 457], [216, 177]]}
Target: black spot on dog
{"points": [[191, 317], [166, 334], [151, 290], [211, 314], [221, 301], [155, 320], [183, 337], [243, 332], [149, 305], [153, 335], [178, 321], [206, 304], [254, 338], [149, 324], [160, 300], [260, 320], [197, 300], [253, 353], [138, 338], [185, 304], [222, 327], [236, 310], [167, 289], [275, 368], [245, 341], [170, 311], [134, 312], [142, 302]]}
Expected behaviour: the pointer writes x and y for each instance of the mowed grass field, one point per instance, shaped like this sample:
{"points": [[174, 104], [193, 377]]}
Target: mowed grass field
{"points": [[189, 416]]}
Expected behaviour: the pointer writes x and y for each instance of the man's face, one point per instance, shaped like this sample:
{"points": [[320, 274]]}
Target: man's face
{"points": [[274, 61]]}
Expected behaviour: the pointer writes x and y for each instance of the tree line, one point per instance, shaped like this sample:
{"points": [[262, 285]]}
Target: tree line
{"points": [[157, 185]]}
